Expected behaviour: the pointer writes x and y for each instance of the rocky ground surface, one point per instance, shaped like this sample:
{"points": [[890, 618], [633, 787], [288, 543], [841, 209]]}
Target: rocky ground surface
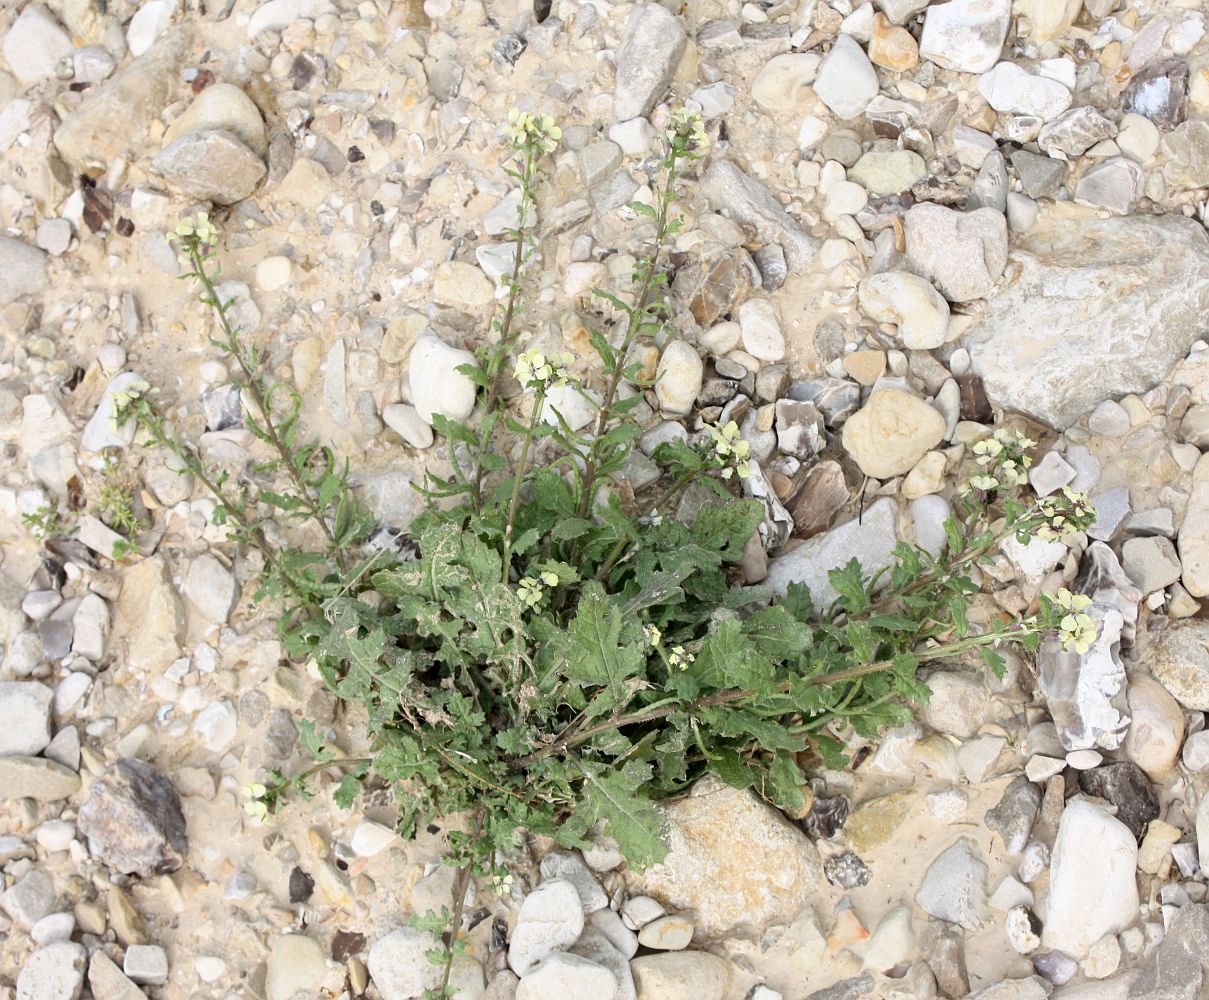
{"points": [[915, 223]]}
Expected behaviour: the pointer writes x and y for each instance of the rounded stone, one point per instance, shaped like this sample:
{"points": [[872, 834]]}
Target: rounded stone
{"points": [[273, 273], [1156, 727], [679, 375], [224, 106], [681, 975], [1179, 660], [435, 382], [919, 310], [399, 966], [762, 336], [891, 432]]}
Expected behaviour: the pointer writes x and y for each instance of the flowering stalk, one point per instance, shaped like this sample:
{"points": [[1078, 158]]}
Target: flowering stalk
{"points": [[531, 138]]}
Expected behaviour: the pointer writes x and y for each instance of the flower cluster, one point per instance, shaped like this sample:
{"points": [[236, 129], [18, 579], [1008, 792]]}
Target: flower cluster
{"points": [[123, 401], [1076, 630], [531, 588], [193, 233], [535, 370], [730, 452], [530, 131], [501, 883], [257, 805], [686, 132], [652, 635], [1004, 461], [678, 659], [1065, 512]]}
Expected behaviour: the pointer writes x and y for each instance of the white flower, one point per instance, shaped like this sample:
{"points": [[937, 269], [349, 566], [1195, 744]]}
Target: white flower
{"points": [[731, 452], [678, 659], [686, 131], [535, 370], [652, 635], [527, 130], [123, 399], [501, 884]]}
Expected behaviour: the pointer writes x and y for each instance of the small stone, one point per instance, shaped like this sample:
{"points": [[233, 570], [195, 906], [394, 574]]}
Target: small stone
{"points": [[892, 172], [370, 839], [966, 36], [35, 46], [210, 164], [55, 972], [1176, 968], [670, 933], [679, 374], [922, 314], [296, 965], [1151, 563], [847, 870], [1109, 419], [570, 867], [651, 47], [1186, 156], [36, 778], [54, 236], [1158, 92], [223, 106], [784, 81], [133, 820], [399, 966], [727, 188], [1092, 884], [273, 273], [1179, 660], [1085, 692], [1115, 184], [404, 419], [1040, 176], [108, 982], [146, 963], [210, 588], [1138, 138], [846, 80], [23, 268], [29, 899], [1074, 132], [891, 47], [962, 253], [1126, 786], [24, 717], [562, 976], [1054, 967], [463, 286], [761, 330], [681, 975], [954, 887], [1012, 90], [550, 919], [436, 384], [891, 433], [1196, 751], [1156, 845], [1156, 727], [1023, 930]]}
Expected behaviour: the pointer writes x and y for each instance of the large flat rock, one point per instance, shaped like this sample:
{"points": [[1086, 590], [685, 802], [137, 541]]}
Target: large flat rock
{"points": [[1092, 309]]}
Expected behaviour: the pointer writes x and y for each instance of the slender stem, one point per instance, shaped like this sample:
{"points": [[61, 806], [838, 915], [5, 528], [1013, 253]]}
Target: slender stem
{"points": [[663, 498], [519, 477], [514, 285], [252, 384], [460, 885], [633, 328]]}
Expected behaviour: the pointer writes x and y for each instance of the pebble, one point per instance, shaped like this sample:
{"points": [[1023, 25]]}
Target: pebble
{"points": [[399, 966], [679, 377], [1196, 751], [210, 588], [35, 778], [296, 964], [1109, 419], [891, 433], [1010, 89], [35, 45], [965, 35], [148, 24], [651, 48], [892, 47], [846, 80], [25, 723], [1092, 886], [133, 821], [223, 106], [681, 975], [890, 172], [55, 972], [210, 165], [954, 887], [899, 297], [405, 420], [436, 385], [784, 81], [108, 982], [24, 270], [30, 899], [761, 330], [273, 273], [550, 919], [669, 933], [562, 976], [962, 254], [1178, 659], [146, 963]]}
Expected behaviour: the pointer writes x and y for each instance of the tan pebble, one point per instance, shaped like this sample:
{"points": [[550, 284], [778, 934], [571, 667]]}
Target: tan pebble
{"points": [[848, 930], [358, 976], [865, 366], [127, 924], [892, 47]]}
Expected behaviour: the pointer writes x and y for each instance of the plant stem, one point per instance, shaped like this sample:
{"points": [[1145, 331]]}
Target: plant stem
{"points": [[514, 284], [539, 401], [460, 885], [619, 548], [252, 383], [633, 328]]}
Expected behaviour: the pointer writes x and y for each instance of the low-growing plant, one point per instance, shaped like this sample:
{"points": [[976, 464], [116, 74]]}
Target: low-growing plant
{"points": [[562, 653]]}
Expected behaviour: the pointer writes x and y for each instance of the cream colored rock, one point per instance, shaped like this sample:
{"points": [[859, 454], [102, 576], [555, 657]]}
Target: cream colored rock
{"points": [[227, 107], [1194, 542], [679, 375], [782, 84], [1049, 18], [891, 432], [892, 47], [436, 384], [681, 975], [927, 477], [921, 312], [149, 619], [865, 366], [721, 836], [1179, 660], [1156, 728], [462, 286]]}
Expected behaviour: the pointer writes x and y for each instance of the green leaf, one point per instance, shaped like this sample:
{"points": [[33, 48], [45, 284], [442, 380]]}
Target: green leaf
{"points": [[993, 660], [313, 741], [642, 208], [603, 646], [726, 528], [849, 581], [784, 785], [617, 797]]}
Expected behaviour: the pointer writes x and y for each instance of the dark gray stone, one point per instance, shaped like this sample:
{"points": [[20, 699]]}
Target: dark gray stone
{"points": [[847, 989], [133, 820], [1014, 815], [1126, 786], [1040, 176]]}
